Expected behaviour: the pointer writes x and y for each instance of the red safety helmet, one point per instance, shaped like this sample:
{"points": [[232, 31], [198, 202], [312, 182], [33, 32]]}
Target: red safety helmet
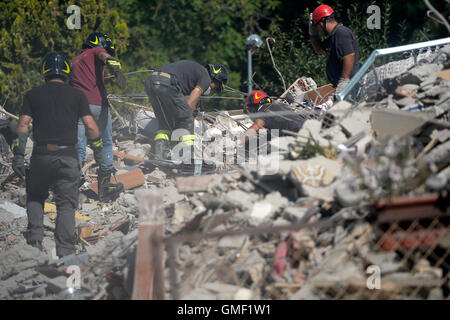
{"points": [[321, 12], [255, 99]]}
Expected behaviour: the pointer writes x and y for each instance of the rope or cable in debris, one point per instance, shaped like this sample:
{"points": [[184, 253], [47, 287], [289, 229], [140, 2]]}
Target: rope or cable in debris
{"points": [[230, 89], [132, 72], [273, 61]]}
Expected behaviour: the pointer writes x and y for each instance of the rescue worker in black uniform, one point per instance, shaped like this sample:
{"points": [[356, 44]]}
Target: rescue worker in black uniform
{"points": [[55, 108], [174, 91], [341, 46], [279, 115]]}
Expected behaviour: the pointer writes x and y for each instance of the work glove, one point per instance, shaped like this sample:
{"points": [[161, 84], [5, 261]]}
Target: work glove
{"points": [[97, 146], [18, 162], [341, 85], [313, 32], [115, 67], [195, 113]]}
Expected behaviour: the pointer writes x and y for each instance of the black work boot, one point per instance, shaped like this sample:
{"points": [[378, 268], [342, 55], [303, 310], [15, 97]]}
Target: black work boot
{"points": [[106, 190], [162, 149], [36, 244]]}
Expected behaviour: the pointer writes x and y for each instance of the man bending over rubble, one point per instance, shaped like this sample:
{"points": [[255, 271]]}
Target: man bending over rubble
{"points": [[55, 108], [174, 91], [270, 115], [341, 46]]}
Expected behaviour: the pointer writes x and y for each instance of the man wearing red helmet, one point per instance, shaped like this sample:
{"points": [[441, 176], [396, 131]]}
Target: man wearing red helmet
{"points": [[340, 44], [270, 115]]}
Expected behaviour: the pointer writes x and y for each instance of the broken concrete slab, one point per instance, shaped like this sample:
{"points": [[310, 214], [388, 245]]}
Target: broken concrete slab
{"points": [[232, 242], [243, 199], [265, 210], [419, 73], [13, 209], [392, 123]]}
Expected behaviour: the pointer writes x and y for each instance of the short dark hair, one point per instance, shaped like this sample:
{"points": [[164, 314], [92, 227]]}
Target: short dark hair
{"points": [[55, 76], [331, 17]]}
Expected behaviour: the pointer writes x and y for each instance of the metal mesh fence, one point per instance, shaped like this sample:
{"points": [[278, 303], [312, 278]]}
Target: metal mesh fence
{"points": [[399, 252], [384, 65]]}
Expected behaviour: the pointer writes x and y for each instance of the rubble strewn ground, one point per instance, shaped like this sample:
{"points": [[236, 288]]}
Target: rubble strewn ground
{"points": [[340, 182]]}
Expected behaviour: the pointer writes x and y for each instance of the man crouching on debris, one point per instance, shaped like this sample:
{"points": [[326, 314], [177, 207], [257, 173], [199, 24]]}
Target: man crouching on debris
{"points": [[341, 46], [55, 108], [174, 91], [269, 115]]}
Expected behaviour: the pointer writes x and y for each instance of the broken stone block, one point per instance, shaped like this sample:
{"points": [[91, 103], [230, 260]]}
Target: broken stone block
{"points": [[344, 274], [387, 261], [439, 154], [140, 153], [311, 127], [419, 73], [399, 280], [243, 294], [334, 135], [338, 111], [423, 267], [243, 199], [182, 212], [295, 214], [314, 177], [358, 121], [234, 242], [407, 101], [348, 197], [266, 209], [363, 144]]}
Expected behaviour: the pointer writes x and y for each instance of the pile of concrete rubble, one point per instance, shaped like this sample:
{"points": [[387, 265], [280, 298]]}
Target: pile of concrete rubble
{"points": [[326, 181]]}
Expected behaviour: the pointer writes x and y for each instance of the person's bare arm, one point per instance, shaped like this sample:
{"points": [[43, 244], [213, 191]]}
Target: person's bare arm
{"points": [[317, 45], [253, 130], [347, 62], [103, 55], [92, 131], [24, 123], [194, 97]]}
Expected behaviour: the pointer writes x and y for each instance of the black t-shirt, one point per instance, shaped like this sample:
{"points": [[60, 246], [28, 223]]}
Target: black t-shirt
{"points": [[287, 121], [189, 74], [55, 108], [341, 43]]}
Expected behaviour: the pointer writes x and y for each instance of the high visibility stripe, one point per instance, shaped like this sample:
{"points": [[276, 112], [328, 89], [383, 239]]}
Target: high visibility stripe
{"points": [[189, 137], [98, 143], [188, 142], [162, 135]]}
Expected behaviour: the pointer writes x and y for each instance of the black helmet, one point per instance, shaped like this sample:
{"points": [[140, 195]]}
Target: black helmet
{"points": [[55, 64], [219, 73], [100, 40]]}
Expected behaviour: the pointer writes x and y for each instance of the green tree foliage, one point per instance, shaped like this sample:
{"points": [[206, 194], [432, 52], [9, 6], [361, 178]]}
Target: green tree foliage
{"points": [[31, 28], [151, 33], [294, 55], [204, 31]]}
